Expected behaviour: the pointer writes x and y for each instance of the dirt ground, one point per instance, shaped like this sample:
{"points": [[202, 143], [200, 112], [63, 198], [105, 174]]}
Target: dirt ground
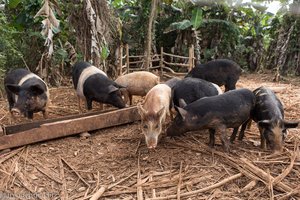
{"points": [[118, 161]]}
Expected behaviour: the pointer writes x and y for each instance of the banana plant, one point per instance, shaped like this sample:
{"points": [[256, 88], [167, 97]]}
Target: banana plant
{"points": [[194, 23]]}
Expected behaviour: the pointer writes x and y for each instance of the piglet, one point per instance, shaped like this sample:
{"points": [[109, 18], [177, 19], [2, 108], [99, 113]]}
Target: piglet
{"points": [[220, 71], [153, 113], [137, 83], [216, 113], [92, 84], [26, 93]]}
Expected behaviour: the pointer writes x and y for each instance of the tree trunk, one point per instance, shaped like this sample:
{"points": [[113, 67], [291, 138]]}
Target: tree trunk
{"points": [[281, 50], [149, 34], [197, 46]]}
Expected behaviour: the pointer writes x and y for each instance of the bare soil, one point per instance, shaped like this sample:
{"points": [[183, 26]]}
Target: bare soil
{"points": [[118, 160]]}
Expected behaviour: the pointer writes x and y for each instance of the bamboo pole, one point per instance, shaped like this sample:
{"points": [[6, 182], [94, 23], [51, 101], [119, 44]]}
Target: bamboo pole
{"points": [[161, 62], [127, 58], [121, 59]]}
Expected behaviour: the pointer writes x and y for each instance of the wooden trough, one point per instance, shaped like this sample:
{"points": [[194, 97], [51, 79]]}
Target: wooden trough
{"points": [[28, 133]]}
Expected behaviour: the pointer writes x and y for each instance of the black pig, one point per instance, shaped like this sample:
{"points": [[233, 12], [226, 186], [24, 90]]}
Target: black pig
{"points": [[26, 93], [269, 114], [92, 84], [192, 89], [219, 71], [216, 113], [172, 82]]}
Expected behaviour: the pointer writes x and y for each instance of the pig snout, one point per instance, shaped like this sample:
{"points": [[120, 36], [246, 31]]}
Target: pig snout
{"points": [[151, 142], [16, 111]]}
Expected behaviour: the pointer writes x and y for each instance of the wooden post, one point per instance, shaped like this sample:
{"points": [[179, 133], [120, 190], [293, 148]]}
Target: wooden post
{"points": [[127, 58], [161, 62], [121, 59]]}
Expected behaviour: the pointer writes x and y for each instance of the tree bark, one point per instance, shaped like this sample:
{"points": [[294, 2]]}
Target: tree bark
{"points": [[281, 50], [147, 57]]}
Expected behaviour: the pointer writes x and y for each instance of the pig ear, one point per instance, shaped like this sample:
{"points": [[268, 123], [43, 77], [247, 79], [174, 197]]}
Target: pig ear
{"points": [[290, 124], [112, 88], [182, 103], [37, 89], [13, 88], [141, 110], [264, 123], [182, 112]]}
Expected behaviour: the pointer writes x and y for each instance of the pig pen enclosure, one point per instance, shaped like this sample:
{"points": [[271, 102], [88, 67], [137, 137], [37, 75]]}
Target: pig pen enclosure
{"points": [[114, 163]]}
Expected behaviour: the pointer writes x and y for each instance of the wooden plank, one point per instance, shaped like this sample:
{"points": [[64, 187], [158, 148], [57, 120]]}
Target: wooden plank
{"points": [[11, 129], [64, 128]]}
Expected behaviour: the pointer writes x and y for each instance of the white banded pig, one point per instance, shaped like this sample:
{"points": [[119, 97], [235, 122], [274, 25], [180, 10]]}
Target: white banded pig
{"points": [[26, 93], [92, 84]]}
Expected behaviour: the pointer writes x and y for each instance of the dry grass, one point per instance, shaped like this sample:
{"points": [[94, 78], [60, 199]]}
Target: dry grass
{"points": [[116, 162]]}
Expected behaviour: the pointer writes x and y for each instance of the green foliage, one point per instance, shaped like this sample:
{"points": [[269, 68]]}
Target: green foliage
{"points": [[196, 17]]}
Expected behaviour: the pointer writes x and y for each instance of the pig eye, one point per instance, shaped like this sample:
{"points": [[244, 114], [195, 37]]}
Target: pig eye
{"points": [[156, 127], [145, 126]]}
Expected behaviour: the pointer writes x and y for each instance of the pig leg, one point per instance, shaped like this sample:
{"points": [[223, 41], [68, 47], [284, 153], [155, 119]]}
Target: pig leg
{"points": [[223, 137], [29, 115], [233, 135], [230, 84], [262, 139], [45, 114], [130, 98], [89, 104], [211, 142], [242, 132]]}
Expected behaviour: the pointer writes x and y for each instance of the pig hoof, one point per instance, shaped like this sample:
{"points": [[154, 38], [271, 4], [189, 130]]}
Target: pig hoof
{"points": [[84, 135]]}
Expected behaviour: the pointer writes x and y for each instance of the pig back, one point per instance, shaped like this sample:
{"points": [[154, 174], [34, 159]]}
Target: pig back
{"points": [[267, 105], [159, 96], [138, 83], [231, 108], [192, 89], [218, 71]]}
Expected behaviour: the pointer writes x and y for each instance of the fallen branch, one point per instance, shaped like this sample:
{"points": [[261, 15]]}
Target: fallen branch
{"points": [[99, 193], [280, 177], [112, 185], [249, 186], [26, 184], [64, 193], [73, 169], [293, 192], [219, 184], [10, 154], [179, 182], [263, 175], [139, 188]]}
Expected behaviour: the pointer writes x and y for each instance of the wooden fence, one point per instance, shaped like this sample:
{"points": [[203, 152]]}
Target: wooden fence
{"points": [[128, 63]]}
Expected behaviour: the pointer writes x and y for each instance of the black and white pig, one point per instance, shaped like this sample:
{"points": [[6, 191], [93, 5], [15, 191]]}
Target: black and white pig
{"points": [[92, 84], [269, 115], [216, 113], [26, 93], [192, 89], [220, 71]]}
